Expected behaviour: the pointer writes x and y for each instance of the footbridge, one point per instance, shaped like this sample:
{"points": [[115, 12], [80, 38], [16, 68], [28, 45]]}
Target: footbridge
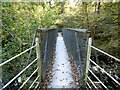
{"points": [[63, 60]]}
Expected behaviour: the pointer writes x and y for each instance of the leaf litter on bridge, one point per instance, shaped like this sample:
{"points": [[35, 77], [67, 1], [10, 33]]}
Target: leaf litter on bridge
{"points": [[62, 72]]}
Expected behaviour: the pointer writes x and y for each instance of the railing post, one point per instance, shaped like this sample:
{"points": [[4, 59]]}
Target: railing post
{"points": [[38, 53], [88, 57], [78, 52]]}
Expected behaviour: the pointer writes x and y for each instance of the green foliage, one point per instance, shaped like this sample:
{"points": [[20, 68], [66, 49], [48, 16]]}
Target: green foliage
{"points": [[19, 21]]}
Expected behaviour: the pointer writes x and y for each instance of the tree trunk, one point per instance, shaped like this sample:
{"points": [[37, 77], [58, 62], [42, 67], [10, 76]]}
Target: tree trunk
{"points": [[98, 7]]}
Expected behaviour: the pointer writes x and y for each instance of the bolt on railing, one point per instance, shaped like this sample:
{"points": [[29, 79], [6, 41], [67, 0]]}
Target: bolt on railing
{"points": [[89, 60], [38, 54]]}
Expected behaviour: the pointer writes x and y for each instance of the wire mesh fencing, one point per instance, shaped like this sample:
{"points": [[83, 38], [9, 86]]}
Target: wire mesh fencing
{"points": [[76, 43], [48, 41]]}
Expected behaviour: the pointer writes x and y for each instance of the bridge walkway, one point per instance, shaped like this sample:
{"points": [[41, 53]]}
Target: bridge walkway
{"points": [[62, 75]]}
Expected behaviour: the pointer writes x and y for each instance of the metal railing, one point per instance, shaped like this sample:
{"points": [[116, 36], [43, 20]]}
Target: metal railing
{"points": [[75, 41], [21, 72], [48, 40], [48, 35], [88, 70]]}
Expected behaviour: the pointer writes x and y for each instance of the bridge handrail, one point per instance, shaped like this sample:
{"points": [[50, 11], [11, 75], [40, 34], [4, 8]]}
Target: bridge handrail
{"points": [[105, 53], [33, 83], [101, 69], [15, 77], [27, 79], [105, 72], [18, 74], [91, 82], [17, 55], [98, 79]]}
